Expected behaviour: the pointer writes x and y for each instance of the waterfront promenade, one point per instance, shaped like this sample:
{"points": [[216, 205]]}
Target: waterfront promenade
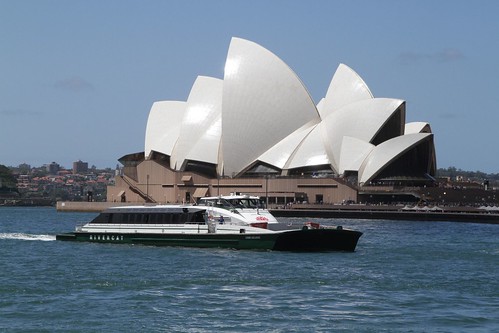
{"points": [[381, 212], [84, 206], [467, 214]]}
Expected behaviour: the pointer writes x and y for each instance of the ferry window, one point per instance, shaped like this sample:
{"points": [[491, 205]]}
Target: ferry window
{"points": [[117, 218], [198, 217], [175, 218], [236, 203], [123, 218], [102, 218], [159, 218], [126, 218], [255, 203], [192, 217]]}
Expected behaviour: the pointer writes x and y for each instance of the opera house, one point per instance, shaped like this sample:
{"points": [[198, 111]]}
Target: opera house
{"points": [[258, 131]]}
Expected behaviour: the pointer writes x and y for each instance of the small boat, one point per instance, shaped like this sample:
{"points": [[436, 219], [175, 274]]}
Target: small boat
{"points": [[235, 222]]}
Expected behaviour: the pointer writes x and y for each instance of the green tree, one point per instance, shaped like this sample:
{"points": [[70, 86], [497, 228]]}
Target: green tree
{"points": [[7, 180]]}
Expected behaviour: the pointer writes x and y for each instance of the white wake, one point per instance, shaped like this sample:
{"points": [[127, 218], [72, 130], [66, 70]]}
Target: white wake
{"points": [[29, 237]]}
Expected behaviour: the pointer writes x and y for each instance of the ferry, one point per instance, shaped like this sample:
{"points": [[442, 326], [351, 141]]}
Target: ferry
{"points": [[234, 222]]}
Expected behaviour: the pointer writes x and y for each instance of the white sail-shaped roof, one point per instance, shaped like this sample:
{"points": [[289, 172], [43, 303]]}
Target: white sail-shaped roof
{"points": [[417, 127], [208, 145], [387, 152], [280, 154], [163, 126], [263, 102], [320, 106], [262, 113], [346, 87], [201, 129], [362, 120], [310, 152], [353, 152]]}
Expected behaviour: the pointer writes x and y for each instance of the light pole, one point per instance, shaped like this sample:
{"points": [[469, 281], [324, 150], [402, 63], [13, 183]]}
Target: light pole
{"points": [[266, 191], [147, 188]]}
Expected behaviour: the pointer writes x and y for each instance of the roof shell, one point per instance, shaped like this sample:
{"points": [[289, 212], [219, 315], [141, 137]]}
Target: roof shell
{"points": [[310, 151], [383, 154], [163, 126], [362, 120], [417, 127], [280, 154], [346, 87], [263, 102], [201, 128], [353, 152]]}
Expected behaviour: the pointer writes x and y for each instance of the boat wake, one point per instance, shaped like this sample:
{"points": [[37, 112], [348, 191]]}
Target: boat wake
{"points": [[29, 237]]}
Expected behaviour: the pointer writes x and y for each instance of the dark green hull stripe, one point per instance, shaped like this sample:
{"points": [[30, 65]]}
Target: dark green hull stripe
{"points": [[296, 240]]}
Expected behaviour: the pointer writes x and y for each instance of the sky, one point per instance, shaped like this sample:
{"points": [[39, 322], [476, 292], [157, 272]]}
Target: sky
{"points": [[78, 78]]}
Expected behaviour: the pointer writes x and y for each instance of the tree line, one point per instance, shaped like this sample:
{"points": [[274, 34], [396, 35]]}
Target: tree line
{"points": [[8, 182], [453, 172]]}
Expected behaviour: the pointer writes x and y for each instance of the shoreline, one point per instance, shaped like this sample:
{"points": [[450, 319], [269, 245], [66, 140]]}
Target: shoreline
{"points": [[421, 216], [371, 212]]}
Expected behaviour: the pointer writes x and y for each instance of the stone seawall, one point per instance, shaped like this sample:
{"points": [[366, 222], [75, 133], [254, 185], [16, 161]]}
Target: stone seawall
{"points": [[389, 215], [347, 212], [84, 206]]}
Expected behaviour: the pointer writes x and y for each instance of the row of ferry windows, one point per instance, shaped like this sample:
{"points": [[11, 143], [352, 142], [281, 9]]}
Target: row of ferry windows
{"points": [[149, 218]]}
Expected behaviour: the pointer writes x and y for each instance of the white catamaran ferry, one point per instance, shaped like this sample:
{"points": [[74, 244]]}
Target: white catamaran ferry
{"points": [[235, 221]]}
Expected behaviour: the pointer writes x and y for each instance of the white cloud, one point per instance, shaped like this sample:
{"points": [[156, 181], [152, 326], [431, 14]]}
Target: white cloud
{"points": [[74, 84], [19, 113], [443, 56]]}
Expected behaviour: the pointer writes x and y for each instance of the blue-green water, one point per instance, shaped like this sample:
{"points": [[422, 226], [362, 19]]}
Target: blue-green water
{"points": [[404, 277]]}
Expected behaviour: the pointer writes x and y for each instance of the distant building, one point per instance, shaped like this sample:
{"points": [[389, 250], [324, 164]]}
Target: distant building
{"points": [[24, 168], [23, 181], [53, 168], [80, 167]]}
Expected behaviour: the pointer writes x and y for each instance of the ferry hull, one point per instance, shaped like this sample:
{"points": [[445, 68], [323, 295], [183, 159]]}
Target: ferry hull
{"points": [[312, 240], [317, 240]]}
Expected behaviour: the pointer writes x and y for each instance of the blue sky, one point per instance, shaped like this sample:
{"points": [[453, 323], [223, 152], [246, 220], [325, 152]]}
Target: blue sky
{"points": [[78, 78]]}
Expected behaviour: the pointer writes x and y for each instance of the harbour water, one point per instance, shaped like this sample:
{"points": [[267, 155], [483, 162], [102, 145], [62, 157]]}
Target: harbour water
{"points": [[403, 277]]}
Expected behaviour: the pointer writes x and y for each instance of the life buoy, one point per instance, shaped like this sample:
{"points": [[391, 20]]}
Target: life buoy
{"points": [[312, 225]]}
